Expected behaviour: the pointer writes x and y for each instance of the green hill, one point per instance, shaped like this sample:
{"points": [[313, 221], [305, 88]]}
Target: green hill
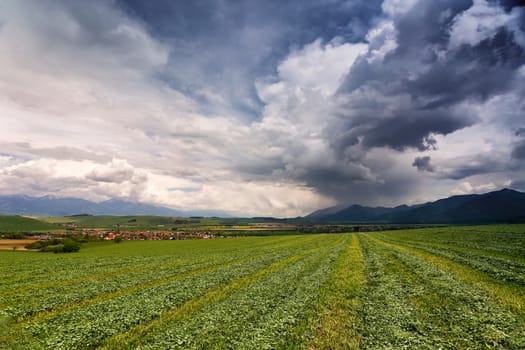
{"points": [[10, 223], [133, 222]]}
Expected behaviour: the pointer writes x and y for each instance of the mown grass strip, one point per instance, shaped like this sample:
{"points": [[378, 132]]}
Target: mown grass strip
{"points": [[60, 267], [78, 288], [94, 277], [461, 248], [65, 280], [340, 324], [64, 271], [133, 336], [271, 313], [133, 289], [18, 326], [87, 327], [387, 312], [509, 296], [501, 269], [423, 306]]}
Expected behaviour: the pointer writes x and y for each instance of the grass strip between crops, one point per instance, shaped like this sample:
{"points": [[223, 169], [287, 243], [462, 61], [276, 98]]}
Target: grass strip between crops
{"points": [[132, 289], [340, 324], [478, 251], [285, 241], [94, 277], [133, 336], [278, 311], [509, 296], [424, 306], [98, 276]]}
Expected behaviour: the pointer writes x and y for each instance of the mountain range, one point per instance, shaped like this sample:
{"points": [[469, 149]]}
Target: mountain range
{"points": [[504, 206], [53, 206]]}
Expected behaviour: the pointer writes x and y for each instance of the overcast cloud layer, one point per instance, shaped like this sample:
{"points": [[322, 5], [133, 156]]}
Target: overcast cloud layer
{"points": [[261, 107]]}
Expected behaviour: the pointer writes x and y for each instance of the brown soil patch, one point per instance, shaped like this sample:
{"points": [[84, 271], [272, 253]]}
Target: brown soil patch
{"points": [[15, 244]]}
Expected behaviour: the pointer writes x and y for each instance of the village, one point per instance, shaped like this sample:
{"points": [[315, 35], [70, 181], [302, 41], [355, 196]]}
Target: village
{"points": [[110, 235]]}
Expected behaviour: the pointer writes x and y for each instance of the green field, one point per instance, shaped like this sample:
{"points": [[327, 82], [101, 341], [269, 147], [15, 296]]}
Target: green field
{"points": [[439, 288], [9, 223], [152, 222], [129, 221]]}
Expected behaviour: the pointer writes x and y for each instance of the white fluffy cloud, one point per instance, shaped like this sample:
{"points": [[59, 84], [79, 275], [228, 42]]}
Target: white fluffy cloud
{"points": [[394, 8], [479, 22], [467, 188]]}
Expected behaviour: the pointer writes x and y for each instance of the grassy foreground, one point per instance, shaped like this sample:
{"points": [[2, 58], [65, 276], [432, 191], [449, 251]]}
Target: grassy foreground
{"points": [[448, 288]]}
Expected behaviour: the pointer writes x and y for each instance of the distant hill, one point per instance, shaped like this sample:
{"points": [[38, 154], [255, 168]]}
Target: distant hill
{"points": [[504, 206], [53, 206], [355, 213], [20, 223]]}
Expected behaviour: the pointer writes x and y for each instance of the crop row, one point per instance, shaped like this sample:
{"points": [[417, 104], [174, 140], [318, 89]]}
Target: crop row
{"points": [[45, 270], [89, 324], [495, 240], [500, 268], [411, 303], [268, 314], [338, 321], [442, 288], [88, 316]]}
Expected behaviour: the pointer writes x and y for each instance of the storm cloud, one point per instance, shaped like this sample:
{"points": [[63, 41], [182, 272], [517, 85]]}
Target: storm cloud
{"points": [[425, 66], [423, 164], [261, 108], [518, 151], [424, 70]]}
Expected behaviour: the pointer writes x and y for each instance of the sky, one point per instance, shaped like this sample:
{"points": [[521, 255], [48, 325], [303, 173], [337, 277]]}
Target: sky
{"points": [[261, 108]]}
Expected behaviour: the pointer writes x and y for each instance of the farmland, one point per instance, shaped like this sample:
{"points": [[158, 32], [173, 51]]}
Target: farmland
{"points": [[6, 244], [445, 287], [20, 223]]}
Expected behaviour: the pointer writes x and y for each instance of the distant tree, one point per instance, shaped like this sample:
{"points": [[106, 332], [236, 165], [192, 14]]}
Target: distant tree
{"points": [[70, 246], [14, 235], [56, 245]]}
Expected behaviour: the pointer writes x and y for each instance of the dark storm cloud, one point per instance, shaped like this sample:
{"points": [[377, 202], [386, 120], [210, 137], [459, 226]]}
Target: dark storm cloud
{"points": [[518, 184], [138, 98], [463, 167], [463, 171], [435, 77], [223, 47], [510, 4], [402, 100], [518, 152], [418, 90], [413, 128], [210, 20], [405, 129], [520, 132], [423, 164], [477, 72], [376, 193]]}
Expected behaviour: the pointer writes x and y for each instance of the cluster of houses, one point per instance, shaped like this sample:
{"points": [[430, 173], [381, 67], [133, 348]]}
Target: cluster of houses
{"points": [[158, 235], [130, 235]]}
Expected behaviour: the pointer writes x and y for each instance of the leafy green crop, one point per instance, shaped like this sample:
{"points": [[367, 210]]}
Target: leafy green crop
{"points": [[449, 288]]}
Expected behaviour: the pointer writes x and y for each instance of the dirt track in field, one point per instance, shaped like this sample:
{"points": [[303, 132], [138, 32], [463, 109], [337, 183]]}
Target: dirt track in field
{"points": [[14, 244]]}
